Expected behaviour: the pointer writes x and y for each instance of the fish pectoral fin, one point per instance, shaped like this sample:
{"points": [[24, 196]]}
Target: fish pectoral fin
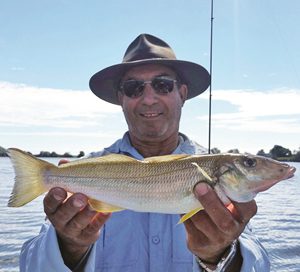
{"points": [[166, 158], [204, 174], [100, 206], [189, 215]]}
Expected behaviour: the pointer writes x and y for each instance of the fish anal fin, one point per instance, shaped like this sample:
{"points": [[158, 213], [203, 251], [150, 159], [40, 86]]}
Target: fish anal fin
{"points": [[100, 206], [189, 215]]}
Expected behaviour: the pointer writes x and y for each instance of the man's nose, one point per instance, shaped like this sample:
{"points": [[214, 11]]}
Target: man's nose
{"points": [[149, 95]]}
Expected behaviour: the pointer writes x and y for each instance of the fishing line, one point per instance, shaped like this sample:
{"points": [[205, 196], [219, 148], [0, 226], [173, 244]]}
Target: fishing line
{"points": [[210, 71]]}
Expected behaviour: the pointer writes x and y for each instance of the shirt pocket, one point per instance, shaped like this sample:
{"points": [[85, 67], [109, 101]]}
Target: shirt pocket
{"points": [[118, 245]]}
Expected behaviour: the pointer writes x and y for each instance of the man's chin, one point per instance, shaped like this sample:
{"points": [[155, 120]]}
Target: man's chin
{"points": [[152, 135]]}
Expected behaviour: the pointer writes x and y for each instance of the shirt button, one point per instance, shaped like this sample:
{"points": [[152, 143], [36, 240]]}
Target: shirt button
{"points": [[155, 239]]}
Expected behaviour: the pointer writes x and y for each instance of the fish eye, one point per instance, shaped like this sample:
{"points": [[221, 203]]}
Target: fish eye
{"points": [[249, 162]]}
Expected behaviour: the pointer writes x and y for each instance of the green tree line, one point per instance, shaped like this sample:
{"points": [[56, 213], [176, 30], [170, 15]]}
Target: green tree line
{"points": [[277, 152], [47, 154]]}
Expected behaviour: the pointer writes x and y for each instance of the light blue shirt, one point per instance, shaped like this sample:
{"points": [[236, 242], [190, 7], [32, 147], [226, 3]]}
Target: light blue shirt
{"points": [[136, 242]]}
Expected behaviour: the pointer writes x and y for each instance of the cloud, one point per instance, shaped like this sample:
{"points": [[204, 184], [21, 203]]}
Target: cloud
{"points": [[275, 111], [22, 105]]}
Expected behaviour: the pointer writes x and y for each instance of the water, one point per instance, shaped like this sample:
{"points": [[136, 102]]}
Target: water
{"points": [[277, 223], [16, 224]]}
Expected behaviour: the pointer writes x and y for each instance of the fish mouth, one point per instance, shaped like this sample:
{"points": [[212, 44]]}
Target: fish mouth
{"points": [[287, 170], [291, 172]]}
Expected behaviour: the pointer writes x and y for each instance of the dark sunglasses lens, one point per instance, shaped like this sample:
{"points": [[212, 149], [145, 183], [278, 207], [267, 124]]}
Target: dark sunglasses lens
{"points": [[133, 88], [163, 85]]}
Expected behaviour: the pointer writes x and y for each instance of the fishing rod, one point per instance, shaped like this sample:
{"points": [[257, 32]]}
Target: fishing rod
{"points": [[210, 71]]}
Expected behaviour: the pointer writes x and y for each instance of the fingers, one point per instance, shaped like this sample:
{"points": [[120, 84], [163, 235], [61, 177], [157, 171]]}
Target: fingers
{"points": [[53, 200], [202, 223], [212, 230], [97, 222], [73, 215], [75, 222], [243, 212], [234, 213], [215, 209], [62, 161], [196, 227], [81, 231]]}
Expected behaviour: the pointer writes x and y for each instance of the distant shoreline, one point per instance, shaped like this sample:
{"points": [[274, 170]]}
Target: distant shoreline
{"points": [[46, 154]]}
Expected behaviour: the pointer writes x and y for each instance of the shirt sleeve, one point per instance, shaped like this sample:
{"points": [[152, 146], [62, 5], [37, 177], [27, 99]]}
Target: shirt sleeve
{"points": [[255, 257], [42, 252]]}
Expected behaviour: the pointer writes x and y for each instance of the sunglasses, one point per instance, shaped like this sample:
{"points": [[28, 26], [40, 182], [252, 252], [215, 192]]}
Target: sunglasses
{"points": [[134, 88]]}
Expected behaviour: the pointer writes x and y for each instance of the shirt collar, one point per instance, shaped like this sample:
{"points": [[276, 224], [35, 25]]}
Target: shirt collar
{"points": [[185, 146]]}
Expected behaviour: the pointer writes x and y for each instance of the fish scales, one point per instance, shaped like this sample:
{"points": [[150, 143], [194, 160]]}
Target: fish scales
{"points": [[146, 186]]}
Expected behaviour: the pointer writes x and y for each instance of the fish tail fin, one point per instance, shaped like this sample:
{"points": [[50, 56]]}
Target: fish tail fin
{"points": [[28, 177]]}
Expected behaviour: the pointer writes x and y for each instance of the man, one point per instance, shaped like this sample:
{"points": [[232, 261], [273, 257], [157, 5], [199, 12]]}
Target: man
{"points": [[151, 86]]}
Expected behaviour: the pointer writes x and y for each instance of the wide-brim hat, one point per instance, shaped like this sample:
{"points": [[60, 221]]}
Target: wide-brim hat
{"points": [[148, 49]]}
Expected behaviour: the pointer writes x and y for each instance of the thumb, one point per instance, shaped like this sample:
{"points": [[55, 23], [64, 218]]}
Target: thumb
{"points": [[63, 161]]}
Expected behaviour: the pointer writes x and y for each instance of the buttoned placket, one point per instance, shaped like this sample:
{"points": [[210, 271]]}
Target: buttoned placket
{"points": [[156, 250]]}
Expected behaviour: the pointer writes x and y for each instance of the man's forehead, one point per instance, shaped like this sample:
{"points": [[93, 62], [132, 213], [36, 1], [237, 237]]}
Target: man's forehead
{"points": [[149, 69]]}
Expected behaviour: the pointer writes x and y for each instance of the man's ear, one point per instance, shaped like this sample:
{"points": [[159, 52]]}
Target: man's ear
{"points": [[183, 91], [120, 97]]}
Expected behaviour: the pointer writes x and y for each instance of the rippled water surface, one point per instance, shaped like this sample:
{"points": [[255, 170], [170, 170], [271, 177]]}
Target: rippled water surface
{"points": [[277, 222]]}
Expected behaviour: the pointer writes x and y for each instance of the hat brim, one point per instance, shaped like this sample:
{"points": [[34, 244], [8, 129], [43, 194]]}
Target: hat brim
{"points": [[105, 83]]}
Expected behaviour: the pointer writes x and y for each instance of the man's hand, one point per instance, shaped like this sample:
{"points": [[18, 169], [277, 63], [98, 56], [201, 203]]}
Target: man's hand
{"points": [[76, 224], [211, 231]]}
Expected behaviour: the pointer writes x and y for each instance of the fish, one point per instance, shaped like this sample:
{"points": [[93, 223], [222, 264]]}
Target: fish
{"points": [[162, 184]]}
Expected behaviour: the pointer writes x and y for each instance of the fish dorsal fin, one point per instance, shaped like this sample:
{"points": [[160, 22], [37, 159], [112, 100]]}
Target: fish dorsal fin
{"points": [[165, 158], [100, 206], [189, 215], [115, 158], [111, 158]]}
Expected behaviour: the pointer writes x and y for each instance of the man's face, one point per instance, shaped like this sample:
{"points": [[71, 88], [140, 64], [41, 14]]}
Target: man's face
{"points": [[153, 116]]}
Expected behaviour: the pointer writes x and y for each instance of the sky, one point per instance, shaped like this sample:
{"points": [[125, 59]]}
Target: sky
{"points": [[50, 49]]}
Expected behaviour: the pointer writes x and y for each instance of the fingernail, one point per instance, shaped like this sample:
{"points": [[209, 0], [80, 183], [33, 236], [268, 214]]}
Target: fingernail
{"points": [[201, 189], [104, 213], [78, 203], [58, 196], [62, 161]]}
